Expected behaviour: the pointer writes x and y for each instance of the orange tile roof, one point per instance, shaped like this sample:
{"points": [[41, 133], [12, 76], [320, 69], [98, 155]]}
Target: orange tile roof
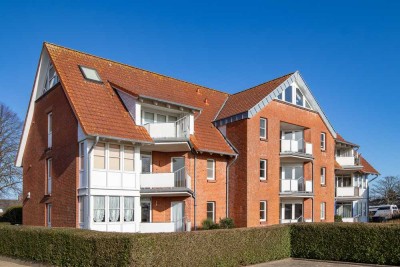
{"points": [[245, 100], [367, 168], [100, 112]]}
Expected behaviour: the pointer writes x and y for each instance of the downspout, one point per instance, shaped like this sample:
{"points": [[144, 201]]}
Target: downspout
{"points": [[88, 175], [194, 190], [227, 185], [312, 203]]}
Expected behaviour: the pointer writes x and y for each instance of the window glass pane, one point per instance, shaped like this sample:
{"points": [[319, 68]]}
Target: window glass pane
{"points": [[128, 209], [99, 209], [210, 210], [161, 118], [50, 122], [148, 117], [172, 118], [262, 210], [81, 201], [90, 74], [288, 172], [82, 156], [210, 169], [288, 211], [298, 210], [129, 158], [322, 140], [113, 209], [280, 96], [288, 94], [307, 104], [299, 97], [145, 211], [262, 168], [114, 154]]}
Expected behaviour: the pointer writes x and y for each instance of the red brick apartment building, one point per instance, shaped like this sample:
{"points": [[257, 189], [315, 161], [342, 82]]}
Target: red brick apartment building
{"points": [[111, 147]]}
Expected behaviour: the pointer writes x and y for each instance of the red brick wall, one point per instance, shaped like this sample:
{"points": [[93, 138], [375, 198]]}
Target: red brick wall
{"points": [[205, 190], [64, 155], [247, 187]]}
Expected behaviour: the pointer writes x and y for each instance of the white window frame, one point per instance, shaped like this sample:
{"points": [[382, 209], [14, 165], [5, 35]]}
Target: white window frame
{"points": [[49, 173], [48, 214], [105, 209], [323, 141], [323, 210], [265, 170], [213, 169], [213, 210], [323, 175], [264, 211], [263, 136], [82, 209], [294, 92], [125, 209], [49, 129]]}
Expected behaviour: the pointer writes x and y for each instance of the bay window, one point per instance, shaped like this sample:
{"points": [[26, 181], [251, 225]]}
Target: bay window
{"points": [[113, 210], [129, 209], [114, 157], [99, 209], [129, 159], [100, 156]]}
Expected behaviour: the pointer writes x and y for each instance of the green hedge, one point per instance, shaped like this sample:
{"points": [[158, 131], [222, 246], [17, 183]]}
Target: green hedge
{"points": [[65, 247], [212, 248], [352, 242], [72, 247]]}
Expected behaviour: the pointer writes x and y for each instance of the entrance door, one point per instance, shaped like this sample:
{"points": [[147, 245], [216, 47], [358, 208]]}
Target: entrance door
{"points": [[146, 210], [177, 215], [292, 212], [146, 163], [178, 168]]}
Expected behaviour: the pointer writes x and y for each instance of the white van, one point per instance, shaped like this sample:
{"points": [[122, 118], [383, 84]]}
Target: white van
{"points": [[386, 211]]}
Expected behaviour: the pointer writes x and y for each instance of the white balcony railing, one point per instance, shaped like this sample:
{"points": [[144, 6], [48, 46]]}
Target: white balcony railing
{"points": [[296, 185], [165, 227], [348, 191], [178, 178], [346, 161], [177, 129], [296, 146]]}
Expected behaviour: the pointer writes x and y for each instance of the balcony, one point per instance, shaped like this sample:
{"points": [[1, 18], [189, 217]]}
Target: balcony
{"points": [[165, 227], [350, 191], [296, 149], [179, 129], [296, 187], [346, 161], [296, 220], [176, 183]]}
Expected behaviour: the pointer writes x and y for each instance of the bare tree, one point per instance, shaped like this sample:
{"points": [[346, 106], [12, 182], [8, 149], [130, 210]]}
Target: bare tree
{"points": [[10, 132], [387, 189]]}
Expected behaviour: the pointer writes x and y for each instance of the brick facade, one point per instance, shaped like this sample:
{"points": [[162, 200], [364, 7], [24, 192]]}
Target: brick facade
{"points": [[64, 153]]}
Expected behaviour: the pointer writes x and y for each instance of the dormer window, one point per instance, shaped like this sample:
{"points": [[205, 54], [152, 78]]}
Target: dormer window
{"points": [[90, 74], [51, 78], [295, 96]]}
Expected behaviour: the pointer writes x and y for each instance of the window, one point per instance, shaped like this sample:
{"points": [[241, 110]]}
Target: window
{"points": [[211, 169], [128, 209], [344, 210], [81, 156], [48, 207], [343, 181], [263, 128], [81, 202], [148, 118], [100, 156], [49, 175], [51, 78], [323, 204], [99, 210], [50, 130], [211, 210], [323, 175], [113, 215], [114, 157], [323, 141], [129, 164], [288, 94], [90, 74], [299, 97], [263, 169], [263, 211]]}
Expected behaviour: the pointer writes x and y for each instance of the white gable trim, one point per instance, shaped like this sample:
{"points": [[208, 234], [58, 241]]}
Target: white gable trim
{"points": [[43, 62], [294, 78]]}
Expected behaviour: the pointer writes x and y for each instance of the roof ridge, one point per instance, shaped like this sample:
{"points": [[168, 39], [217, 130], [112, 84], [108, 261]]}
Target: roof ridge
{"points": [[130, 66], [263, 83]]}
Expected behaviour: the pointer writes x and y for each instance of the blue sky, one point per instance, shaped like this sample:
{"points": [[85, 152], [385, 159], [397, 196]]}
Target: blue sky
{"points": [[347, 51]]}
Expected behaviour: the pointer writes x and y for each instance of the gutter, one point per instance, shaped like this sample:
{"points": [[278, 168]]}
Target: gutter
{"points": [[227, 184], [194, 190], [88, 174]]}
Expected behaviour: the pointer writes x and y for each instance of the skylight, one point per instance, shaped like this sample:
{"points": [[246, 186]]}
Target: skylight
{"points": [[90, 74]]}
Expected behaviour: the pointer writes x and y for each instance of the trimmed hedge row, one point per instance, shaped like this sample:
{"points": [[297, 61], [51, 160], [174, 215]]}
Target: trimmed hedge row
{"points": [[352, 242], [65, 247], [72, 247], [364, 243]]}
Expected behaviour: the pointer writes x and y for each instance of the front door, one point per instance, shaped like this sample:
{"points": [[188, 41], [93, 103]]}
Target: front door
{"points": [[178, 168], [177, 215]]}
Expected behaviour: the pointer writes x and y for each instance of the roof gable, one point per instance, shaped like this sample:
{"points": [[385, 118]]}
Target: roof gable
{"points": [[248, 103]]}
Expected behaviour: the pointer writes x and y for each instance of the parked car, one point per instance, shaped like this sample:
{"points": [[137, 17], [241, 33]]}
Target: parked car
{"points": [[385, 211]]}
